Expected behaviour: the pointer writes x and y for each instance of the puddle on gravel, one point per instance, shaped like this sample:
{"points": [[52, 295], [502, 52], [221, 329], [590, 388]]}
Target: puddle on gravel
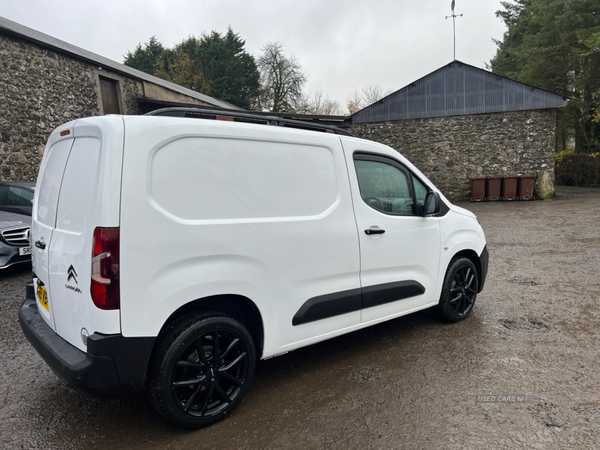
{"points": [[584, 240], [525, 281], [507, 244], [526, 323]]}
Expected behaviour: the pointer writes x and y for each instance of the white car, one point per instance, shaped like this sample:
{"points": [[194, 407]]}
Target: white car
{"points": [[172, 253]]}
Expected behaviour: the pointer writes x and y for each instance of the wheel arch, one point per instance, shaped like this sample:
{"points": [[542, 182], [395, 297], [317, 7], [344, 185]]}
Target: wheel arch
{"points": [[238, 307], [474, 257]]}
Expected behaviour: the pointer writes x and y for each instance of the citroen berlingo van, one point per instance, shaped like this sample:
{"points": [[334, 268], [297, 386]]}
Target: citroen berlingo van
{"points": [[172, 252]]}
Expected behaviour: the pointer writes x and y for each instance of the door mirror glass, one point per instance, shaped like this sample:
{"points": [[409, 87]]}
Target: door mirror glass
{"points": [[432, 204]]}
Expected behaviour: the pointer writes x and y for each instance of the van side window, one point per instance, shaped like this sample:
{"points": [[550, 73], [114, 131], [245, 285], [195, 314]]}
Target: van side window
{"points": [[420, 191], [384, 186]]}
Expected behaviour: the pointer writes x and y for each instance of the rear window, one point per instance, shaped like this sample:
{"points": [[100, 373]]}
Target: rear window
{"points": [[52, 174], [79, 186]]}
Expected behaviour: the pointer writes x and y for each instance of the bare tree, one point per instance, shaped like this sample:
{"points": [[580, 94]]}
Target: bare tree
{"points": [[369, 94], [282, 80], [373, 92], [319, 103], [354, 102], [331, 107]]}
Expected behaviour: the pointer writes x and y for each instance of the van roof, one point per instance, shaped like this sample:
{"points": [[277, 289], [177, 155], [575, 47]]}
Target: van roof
{"points": [[253, 117]]}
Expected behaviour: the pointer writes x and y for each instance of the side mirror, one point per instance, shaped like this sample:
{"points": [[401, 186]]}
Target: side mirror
{"points": [[433, 204]]}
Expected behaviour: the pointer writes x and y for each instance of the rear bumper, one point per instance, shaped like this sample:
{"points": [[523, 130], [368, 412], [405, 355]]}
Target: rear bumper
{"points": [[113, 364]]}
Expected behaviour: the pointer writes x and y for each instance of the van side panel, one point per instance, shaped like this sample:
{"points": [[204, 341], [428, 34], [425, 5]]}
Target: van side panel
{"points": [[241, 180], [458, 233], [210, 209]]}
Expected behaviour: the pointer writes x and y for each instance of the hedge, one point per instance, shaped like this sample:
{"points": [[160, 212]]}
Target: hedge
{"points": [[578, 169]]}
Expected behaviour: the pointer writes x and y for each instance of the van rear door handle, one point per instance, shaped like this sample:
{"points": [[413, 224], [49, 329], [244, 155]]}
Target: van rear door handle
{"points": [[371, 231], [40, 244]]}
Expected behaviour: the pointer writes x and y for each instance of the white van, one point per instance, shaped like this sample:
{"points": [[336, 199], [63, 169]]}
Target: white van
{"points": [[170, 254]]}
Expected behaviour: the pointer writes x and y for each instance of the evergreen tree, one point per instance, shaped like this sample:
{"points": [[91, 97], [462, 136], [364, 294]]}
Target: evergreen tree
{"points": [[555, 45], [146, 58], [179, 67], [215, 64], [231, 72]]}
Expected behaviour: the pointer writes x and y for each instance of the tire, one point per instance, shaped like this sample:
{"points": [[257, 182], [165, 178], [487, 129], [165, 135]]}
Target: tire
{"points": [[459, 291], [187, 385]]}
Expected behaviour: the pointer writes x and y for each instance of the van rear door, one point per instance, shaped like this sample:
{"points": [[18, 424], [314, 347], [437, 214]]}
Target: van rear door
{"points": [[88, 196], [45, 203]]}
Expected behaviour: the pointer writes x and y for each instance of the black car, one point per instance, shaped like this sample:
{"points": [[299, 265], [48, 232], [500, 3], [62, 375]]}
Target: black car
{"points": [[15, 246], [16, 197]]}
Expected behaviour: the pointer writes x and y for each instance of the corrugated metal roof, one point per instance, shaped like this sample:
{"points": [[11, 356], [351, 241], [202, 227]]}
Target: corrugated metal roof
{"points": [[458, 89], [29, 34]]}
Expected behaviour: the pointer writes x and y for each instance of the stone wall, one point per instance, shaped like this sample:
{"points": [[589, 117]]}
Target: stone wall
{"points": [[41, 89], [160, 93], [450, 150]]}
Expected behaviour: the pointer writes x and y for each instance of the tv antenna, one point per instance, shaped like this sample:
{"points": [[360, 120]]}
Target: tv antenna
{"points": [[454, 16]]}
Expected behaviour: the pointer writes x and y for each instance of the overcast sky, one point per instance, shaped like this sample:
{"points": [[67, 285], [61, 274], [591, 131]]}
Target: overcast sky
{"points": [[341, 44]]}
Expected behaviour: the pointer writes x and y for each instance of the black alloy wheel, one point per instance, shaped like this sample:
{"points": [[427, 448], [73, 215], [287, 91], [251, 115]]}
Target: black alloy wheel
{"points": [[210, 373], [459, 291], [202, 370], [462, 291]]}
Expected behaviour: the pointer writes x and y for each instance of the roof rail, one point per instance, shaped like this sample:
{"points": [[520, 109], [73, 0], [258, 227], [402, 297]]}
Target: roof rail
{"points": [[256, 118]]}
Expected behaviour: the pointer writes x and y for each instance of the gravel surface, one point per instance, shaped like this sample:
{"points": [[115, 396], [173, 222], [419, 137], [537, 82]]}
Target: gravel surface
{"points": [[410, 383]]}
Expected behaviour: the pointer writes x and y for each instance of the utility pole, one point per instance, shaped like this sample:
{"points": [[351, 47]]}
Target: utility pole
{"points": [[454, 16]]}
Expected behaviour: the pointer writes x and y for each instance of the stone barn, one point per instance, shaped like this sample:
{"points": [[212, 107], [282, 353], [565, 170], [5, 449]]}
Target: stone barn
{"points": [[45, 82], [461, 121]]}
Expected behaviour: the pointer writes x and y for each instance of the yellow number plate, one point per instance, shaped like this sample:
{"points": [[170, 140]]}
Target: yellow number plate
{"points": [[42, 296]]}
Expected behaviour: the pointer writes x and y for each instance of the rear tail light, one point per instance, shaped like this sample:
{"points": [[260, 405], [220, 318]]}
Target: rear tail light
{"points": [[105, 268]]}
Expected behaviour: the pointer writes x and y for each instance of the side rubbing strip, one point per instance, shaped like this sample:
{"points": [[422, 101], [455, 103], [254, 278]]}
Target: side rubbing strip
{"points": [[390, 292], [329, 305]]}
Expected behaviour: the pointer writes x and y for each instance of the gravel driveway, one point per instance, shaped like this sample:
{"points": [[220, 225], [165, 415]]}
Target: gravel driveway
{"points": [[410, 383]]}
